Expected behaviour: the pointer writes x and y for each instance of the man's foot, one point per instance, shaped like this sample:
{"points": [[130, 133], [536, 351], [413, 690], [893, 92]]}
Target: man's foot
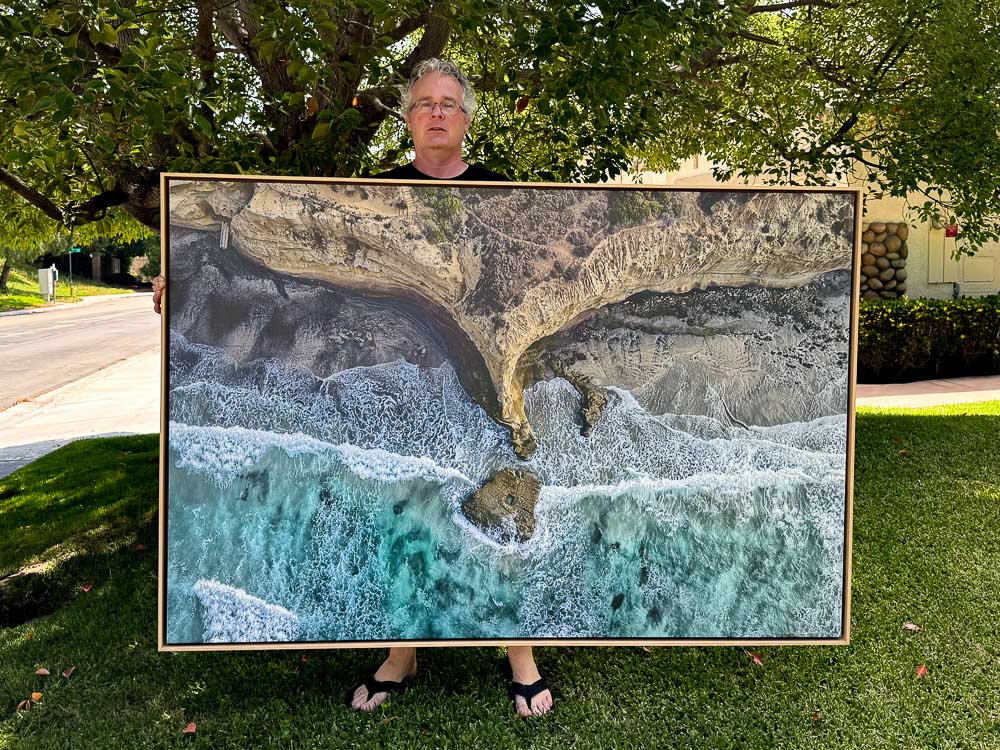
{"points": [[399, 665], [531, 697]]}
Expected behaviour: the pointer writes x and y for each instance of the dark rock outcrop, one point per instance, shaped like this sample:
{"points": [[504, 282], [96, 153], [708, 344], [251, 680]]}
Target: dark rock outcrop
{"points": [[505, 505]]}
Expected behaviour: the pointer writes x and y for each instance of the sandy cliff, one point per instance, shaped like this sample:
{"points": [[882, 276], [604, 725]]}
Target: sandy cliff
{"points": [[508, 267]]}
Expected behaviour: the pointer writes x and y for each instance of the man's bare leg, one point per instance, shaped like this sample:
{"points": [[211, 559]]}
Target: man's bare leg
{"points": [[398, 665], [522, 665]]}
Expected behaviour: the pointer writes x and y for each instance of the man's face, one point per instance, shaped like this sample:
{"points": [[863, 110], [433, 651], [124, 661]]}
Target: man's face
{"points": [[435, 131]]}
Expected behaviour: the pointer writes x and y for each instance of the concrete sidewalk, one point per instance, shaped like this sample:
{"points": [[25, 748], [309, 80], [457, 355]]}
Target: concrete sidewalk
{"points": [[930, 392], [121, 399]]}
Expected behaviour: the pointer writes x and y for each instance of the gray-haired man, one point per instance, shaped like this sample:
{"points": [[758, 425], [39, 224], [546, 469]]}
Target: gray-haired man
{"points": [[438, 102]]}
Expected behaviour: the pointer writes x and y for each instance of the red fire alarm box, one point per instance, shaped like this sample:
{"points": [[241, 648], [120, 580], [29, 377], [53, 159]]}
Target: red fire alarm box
{"points": [[951, 230]]}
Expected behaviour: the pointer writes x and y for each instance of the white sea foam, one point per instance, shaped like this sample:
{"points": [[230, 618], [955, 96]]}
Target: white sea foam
{"points": [[224, 453], [397, 407], [231, 615], [424, 413]]}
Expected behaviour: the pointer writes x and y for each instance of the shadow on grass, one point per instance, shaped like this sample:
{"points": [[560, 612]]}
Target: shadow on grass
{"points": [[49, 508]]}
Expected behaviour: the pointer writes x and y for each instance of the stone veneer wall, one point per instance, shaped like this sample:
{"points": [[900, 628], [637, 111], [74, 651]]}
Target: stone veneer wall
{"points": [[883, 260]]}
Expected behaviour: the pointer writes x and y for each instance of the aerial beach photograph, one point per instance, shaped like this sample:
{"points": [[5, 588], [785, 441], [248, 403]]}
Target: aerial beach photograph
{"points": [[473, 412]]}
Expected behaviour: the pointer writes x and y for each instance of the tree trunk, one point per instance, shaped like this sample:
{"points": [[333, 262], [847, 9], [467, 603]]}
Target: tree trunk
{"points": [[4, 273]]}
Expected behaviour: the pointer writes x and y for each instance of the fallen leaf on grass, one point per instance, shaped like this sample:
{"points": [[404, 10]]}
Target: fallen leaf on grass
{"points": [[904, 452], [43, 672], [28, 636], [140, 547], [190, 728], [921, 671], [67, 673], [24, 706], [646, 650], [756, 658], [814, 716], [305, 659], [86, 587], [911, 627], [36, 697]]}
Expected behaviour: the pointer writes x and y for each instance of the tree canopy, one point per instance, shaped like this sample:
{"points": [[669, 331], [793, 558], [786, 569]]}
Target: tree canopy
{"points": [[97, 98]]}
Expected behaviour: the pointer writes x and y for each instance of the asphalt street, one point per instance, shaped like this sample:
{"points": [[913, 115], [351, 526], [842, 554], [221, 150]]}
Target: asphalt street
{"points": [[42, 351]]}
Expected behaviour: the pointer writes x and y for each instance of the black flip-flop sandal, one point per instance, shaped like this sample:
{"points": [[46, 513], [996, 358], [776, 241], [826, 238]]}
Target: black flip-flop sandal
{"points": [[528, 692], [373, 686]]}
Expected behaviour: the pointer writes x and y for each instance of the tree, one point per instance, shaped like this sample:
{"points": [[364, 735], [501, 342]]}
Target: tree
{"points": [[96, 99], [905, 94]]}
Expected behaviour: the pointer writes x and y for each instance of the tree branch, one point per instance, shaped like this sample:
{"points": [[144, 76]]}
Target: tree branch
{"points": [[204, 51], [375, 97], [436, 33], [758, 38], [407, 26], [31, 195], [489, 81], [96, 208], [791, 5]]}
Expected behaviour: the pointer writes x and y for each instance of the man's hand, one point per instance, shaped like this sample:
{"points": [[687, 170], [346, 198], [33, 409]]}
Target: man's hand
{"points": [[159, 285]]}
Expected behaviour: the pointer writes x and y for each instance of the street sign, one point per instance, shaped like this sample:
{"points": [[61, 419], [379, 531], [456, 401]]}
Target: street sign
{"points": [[76, 250]]}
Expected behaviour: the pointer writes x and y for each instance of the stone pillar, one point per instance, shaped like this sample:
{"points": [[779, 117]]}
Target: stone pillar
{"points": [[883, 260]]}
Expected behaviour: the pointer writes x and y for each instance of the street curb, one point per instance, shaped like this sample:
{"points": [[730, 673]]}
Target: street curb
{"points": [[74, 305]]}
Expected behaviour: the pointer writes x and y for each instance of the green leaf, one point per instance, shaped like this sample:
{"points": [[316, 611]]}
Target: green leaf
{"points": [[53, 18], [320, 130], [153, 112], [202, 124], [109, 35], [266, 50]]}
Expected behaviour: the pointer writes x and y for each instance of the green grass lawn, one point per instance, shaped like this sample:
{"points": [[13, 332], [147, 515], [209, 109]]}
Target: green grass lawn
{"points": [[926, 550], [23, 286]]}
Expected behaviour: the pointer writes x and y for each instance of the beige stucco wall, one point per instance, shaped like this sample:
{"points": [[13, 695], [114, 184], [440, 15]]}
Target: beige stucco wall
{"points": [[931, 272]]}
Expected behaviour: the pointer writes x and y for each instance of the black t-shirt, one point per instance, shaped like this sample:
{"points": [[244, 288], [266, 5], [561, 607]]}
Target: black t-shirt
{"points": [[472, 173]]}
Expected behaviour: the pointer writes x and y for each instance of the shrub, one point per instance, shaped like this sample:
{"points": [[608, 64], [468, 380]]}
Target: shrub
{"points": [[628, 208], [915, 339]]}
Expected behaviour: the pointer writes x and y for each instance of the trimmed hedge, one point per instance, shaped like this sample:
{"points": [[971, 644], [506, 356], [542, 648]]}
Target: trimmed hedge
{"points": [[919, 339]]}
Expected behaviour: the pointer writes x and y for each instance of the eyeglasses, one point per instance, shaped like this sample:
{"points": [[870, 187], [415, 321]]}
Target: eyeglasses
{"points": [[426, 107]]}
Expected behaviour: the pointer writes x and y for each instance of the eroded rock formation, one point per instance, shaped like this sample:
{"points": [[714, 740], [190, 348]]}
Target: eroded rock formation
{"points": [[503, 268]]}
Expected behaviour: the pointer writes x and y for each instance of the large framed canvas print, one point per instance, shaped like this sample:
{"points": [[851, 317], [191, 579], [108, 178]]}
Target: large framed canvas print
{"points": [[435, 414]]}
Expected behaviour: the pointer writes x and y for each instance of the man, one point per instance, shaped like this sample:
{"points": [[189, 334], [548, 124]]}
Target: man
{"points": [[438, 103]]}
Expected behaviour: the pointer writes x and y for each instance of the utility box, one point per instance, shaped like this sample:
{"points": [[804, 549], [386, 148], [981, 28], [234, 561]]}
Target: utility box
{"points": [[47, 278]]}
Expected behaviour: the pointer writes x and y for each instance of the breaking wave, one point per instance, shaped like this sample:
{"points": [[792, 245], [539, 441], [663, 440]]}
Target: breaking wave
{"points": [[338, 501]]}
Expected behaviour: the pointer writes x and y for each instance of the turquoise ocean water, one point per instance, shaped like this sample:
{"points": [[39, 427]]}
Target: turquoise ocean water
{"points": [[313, 509]]}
